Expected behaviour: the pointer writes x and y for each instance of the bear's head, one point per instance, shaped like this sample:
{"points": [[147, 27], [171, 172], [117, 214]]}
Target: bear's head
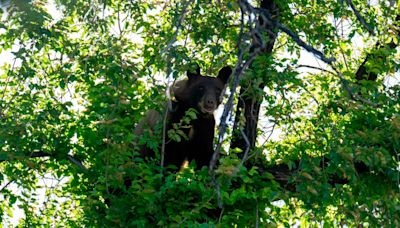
{"points": [[201, 92]]}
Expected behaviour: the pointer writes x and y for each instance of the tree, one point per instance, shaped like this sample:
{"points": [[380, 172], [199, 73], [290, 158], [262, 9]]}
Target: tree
{"points": [[80, 80]]}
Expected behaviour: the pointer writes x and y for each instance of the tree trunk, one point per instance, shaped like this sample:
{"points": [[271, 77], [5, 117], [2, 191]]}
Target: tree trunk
{"points": [[251, 105]]}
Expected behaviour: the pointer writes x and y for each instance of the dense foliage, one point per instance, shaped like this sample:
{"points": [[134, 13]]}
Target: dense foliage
{"points": [[80, 74]]}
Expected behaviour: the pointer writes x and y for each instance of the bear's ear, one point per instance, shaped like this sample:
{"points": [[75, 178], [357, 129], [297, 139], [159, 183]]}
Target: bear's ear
{"points": [[224, 74], [191, 75]]}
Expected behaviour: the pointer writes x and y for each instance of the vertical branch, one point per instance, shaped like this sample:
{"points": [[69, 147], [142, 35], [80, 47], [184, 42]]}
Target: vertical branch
{"points": [[169, 70], [119, 20], [240, 67], [250, 106]]}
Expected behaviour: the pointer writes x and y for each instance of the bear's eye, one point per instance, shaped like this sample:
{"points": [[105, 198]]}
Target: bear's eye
{"points": [[201, 88], [218, 91]]}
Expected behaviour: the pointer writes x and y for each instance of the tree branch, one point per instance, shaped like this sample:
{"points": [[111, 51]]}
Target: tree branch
{"points": [[360, 18], [301, 43], [250, 106], [267, 16], [6, 185], [316, 68], [283, 174], [40, 154], [76, 162], [237, 72]]}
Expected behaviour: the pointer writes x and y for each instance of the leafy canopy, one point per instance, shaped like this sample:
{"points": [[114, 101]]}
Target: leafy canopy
{"points": [[80, 79]]}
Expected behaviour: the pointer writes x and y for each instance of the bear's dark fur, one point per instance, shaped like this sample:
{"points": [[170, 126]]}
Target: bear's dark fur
{"points": [[202, 93]]}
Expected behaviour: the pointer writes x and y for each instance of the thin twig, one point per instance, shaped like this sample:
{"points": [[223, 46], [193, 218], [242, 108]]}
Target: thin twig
{"points": [[398, 172], [220, 215], [228, 107], [177, 27], [164, 135], [238, 71], [301, 43], [5, 186], [240, 67], [246, 153], [316, 68], [257, 216], [270, 134]]}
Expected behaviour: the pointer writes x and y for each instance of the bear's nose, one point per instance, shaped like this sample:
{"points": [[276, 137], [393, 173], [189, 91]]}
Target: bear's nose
{"points": [[210, 102]]}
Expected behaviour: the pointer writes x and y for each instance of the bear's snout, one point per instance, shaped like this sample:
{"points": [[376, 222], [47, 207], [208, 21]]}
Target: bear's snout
{"points": [[208, 105]]}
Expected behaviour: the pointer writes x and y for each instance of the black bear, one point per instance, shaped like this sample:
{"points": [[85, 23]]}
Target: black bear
{"points": [[203, 94]]}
